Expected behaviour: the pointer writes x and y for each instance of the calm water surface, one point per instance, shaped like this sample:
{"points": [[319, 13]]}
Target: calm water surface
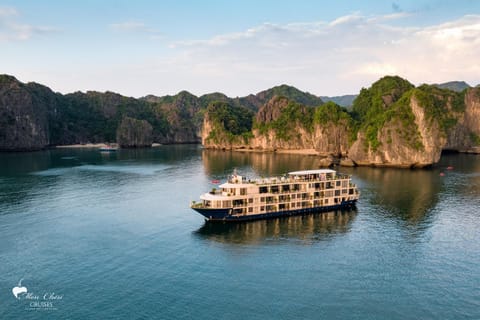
{"points": [[111, 236]]}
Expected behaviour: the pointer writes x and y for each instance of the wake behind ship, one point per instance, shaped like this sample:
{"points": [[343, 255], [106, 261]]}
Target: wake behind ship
{"points": [[298, 192]]}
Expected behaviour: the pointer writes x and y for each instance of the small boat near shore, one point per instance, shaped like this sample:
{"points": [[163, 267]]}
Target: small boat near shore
{"points": [[107, 148], [296, 193]]}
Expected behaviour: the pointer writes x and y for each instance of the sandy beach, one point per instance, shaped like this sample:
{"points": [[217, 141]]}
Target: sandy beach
{"points": [[88, 145], [97, 145]]}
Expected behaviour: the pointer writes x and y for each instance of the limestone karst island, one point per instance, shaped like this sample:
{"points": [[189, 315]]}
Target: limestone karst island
{"points": [[391, 123]]}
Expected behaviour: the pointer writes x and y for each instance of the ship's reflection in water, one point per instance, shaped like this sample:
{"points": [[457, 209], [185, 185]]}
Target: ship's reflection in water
{"points": [[301, 229]]}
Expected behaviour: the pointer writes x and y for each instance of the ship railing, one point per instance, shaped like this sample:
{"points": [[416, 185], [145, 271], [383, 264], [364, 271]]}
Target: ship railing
{"points": [[216, 192], [286, 179], [197, 205], [292, 180]]}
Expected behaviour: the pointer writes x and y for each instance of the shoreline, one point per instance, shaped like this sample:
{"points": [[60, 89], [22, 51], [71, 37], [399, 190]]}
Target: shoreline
{"points": [[87, 145], [95, 145]]}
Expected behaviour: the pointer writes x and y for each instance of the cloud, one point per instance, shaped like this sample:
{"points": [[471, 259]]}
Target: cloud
{"points": [[323, 57], [7, 12], [13, 30], [135, 27], [331, 57]]}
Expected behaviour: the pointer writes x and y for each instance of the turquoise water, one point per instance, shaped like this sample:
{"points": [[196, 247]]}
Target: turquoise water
{"points": [[111, 236]]}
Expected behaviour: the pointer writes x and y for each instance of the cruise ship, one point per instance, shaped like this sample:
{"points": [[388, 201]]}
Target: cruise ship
{"points": [[296, 193]]}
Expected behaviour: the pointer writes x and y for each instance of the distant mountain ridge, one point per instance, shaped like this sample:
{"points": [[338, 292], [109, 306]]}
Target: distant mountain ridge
{"points": [[343, 101], [457, 86]]}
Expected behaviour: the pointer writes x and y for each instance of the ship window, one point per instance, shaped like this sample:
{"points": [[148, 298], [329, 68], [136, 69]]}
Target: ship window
{"points": [[350, 191], [326, 201], [262, 208], [262, 199], [338, 183], [293, 205], [316, 194], [296, 187], [243, 191], [250, 210], [286, 188], [227, 204], [237, 203], [344, 191], [250, 200], [263, 190], [337, 192], [345, 184], [274, 189], [293, 196], [281, 206]]}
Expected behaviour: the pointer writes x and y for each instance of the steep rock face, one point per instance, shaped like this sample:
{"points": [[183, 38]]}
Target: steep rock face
{"points": [[226, 127], [332, 138], [400, 125], [24, 115], [280, 126], [472, 110], [272, 110], [397, 148], [134, 133], [431, 136], [465, 135], [283, 125], [182, 112], [299, 139]]}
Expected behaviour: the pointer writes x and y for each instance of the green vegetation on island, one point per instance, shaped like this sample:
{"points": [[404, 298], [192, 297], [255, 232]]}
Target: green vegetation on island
{"points": [[229, 123], [382, 102], [290, 117], [391, 120]]}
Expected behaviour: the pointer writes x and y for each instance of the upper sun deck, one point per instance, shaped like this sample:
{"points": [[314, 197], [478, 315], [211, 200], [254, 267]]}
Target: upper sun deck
{"points": [[235, 181]]}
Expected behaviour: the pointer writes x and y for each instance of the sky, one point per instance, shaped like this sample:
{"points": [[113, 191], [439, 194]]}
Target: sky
{"points": [[237, 47]]}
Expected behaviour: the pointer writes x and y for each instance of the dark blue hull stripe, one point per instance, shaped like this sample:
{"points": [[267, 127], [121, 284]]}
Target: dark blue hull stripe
{"points": [[224, 214]]}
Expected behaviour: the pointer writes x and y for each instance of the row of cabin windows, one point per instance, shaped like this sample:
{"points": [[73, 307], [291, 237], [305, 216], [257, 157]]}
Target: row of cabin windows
{"points": [[282, 206], [235, 191], [287, 198], [280, 188], [298, 187]]}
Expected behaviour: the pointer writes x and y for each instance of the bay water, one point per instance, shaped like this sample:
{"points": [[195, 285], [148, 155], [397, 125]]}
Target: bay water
{"points": [[90, 235]]}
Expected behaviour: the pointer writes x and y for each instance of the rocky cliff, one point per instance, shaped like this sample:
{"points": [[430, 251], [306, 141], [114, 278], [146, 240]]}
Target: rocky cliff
{"points": [[134, 133], [282, 124], [404, 126], [34, 117], [392, 124], [24, 113]]}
